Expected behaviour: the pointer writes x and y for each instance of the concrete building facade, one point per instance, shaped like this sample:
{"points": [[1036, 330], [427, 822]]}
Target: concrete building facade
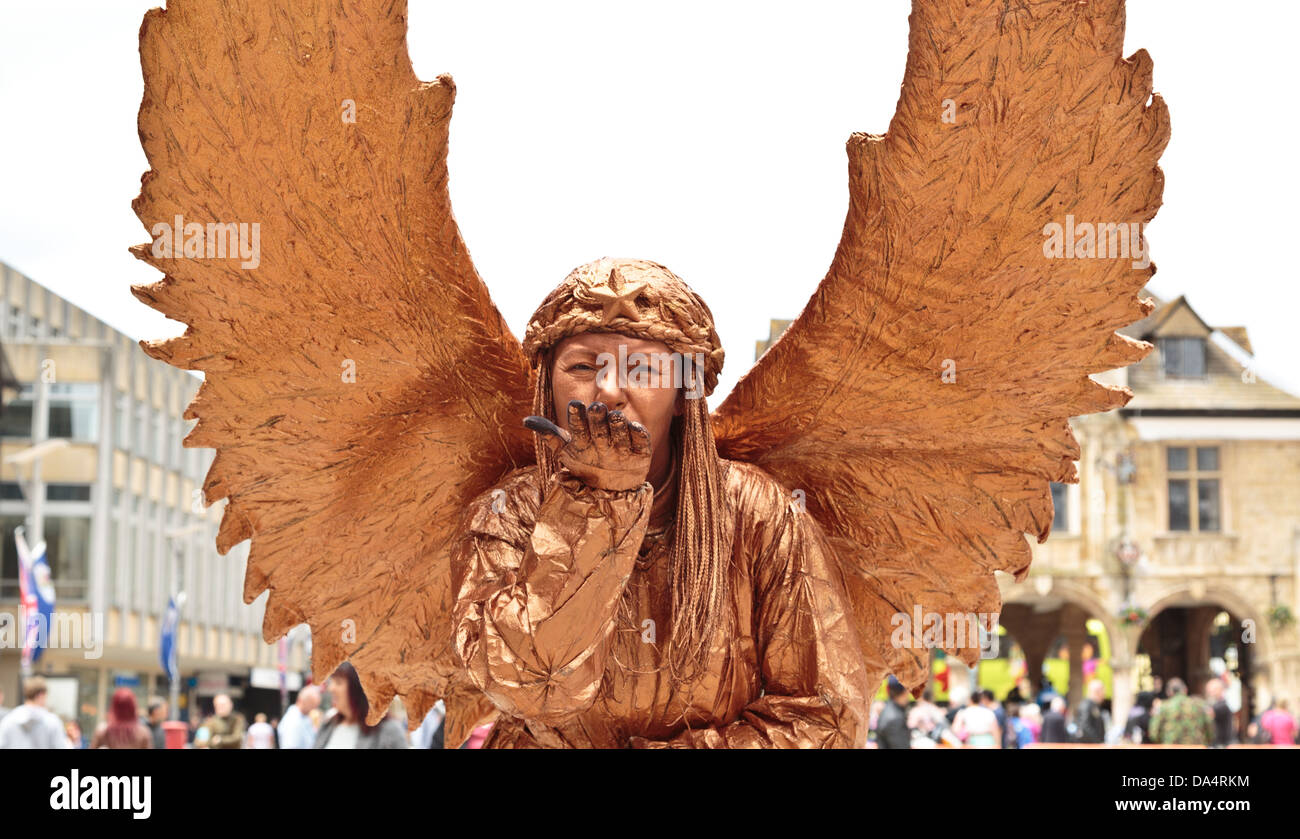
{"points": [[118, 499]]}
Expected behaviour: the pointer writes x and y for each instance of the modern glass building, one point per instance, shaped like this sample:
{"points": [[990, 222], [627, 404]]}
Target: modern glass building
{"points": [[95, 465]]}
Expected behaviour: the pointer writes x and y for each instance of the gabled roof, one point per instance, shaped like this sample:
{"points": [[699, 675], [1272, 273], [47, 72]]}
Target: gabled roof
{"points": [[1229, 387], [1237, 334], [1169, 315]]}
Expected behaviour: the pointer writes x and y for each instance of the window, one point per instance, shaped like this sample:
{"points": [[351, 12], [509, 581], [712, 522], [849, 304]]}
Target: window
{"points": [[67, 541], [1193, 488], [1060, 502], [131, 560], [16, 421], [141, 447], [67, 492], [159, 438], [148, 560], [114, 556], [9, 559], [123, 430], [1184, 358], [177, 448], [74, 412]]}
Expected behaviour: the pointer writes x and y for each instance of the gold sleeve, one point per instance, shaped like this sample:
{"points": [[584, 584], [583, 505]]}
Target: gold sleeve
{"points": [[812, 667], [535, 608]]}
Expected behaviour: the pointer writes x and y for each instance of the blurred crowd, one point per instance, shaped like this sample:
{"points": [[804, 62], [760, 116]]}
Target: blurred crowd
{"points": [[304, 725], [1166, 715]]}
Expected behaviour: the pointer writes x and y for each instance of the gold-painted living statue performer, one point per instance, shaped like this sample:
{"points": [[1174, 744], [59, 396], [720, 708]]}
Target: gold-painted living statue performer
{"points": [[557, 534]]}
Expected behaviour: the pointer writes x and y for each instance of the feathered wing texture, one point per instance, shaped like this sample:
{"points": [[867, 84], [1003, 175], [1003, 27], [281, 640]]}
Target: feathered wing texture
{"points": [[921, 400], [349, 427]]}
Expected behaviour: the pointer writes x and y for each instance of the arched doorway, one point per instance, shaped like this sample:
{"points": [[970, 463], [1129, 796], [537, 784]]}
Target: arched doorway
{"points": [[1068, 635], [1195, 638]]}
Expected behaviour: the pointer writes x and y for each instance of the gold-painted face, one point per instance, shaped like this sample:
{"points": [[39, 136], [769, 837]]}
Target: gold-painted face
{"points": [[639, 377]]}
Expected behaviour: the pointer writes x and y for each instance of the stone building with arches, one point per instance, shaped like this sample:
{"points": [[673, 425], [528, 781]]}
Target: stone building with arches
{"points": [[1182, 536]]}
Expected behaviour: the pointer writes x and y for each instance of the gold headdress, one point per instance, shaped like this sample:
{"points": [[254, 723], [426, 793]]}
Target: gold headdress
{"points": [[630, 297]]}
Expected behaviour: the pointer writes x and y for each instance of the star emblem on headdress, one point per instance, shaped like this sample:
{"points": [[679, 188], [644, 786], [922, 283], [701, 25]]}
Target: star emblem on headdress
{"points": [[616, 297]]}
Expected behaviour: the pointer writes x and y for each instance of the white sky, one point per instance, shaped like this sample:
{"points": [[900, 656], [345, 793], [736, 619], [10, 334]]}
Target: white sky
{"points": [[706, 137]]}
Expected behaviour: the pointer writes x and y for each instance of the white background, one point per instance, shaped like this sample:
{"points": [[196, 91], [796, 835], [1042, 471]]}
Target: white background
{"points": [[706, 136]]}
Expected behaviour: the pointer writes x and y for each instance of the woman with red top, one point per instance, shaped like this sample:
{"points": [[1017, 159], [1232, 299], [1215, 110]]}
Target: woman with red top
{"points": [[123, 729]]}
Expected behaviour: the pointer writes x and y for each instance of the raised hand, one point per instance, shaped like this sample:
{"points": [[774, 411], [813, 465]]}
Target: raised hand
{"points": [[603, 448]]}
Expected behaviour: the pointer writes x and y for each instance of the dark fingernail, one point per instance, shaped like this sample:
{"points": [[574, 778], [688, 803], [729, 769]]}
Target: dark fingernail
{"points": [[543, 426]]}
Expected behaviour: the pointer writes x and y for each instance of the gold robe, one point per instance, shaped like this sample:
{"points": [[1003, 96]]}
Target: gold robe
{"points": [[539, 579]]}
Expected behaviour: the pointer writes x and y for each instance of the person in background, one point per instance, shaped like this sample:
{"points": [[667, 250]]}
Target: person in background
{"points": [[1223, 733], [891, 729], [1137, 729], [928, 720], [346, 727], [1090, 717], [873, 714], [1028, 725], [75, 738], [1021, 693], [123, 729], [478, 736], [1089, 661], [988, 700], [1011, 712], [296, 730], [31, 725], [1046, 693], [157, 716], [977, 725], [1278, 724], [260, 734], [397, 713], [958, 698], [1054, 728], [3, 709], [1232, 695], [430, 734], [1182, 719], [225, 727]]}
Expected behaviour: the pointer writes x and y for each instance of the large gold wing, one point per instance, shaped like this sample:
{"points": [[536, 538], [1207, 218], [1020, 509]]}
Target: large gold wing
{"points": [[349, 430], [921, 400]]}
